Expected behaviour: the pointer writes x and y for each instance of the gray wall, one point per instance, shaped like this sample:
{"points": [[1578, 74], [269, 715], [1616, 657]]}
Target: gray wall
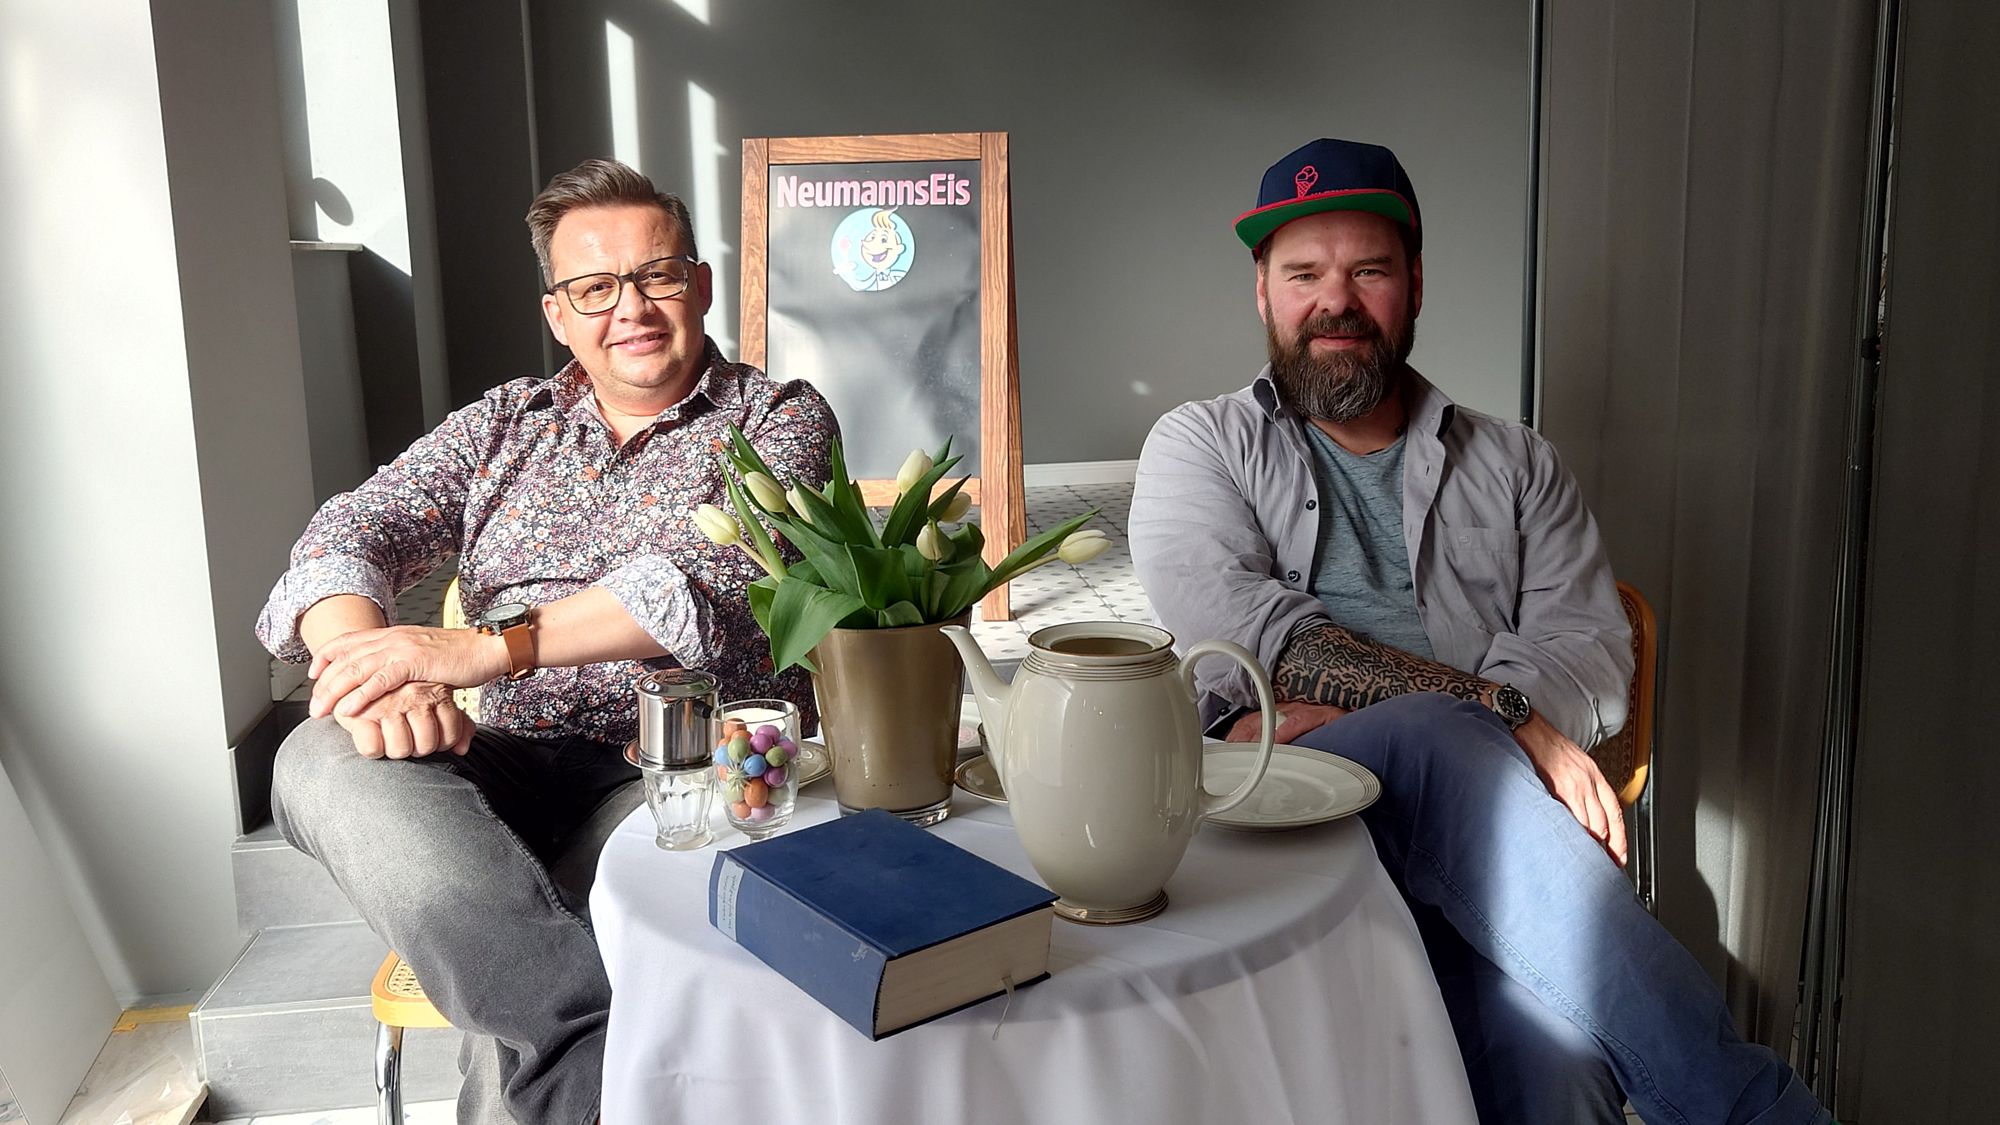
{"points": [[152, 458], [1703, 229], [1922, 989], [351, 104], [55, 1004], [1138, 132]]}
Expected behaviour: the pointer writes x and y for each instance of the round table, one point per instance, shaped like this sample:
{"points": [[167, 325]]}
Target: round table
{"points": [[1284, 982]]}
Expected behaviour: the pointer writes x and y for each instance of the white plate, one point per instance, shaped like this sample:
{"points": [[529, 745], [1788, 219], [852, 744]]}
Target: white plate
{"points": [[1301, 787], [813, 761], [976, 776]]}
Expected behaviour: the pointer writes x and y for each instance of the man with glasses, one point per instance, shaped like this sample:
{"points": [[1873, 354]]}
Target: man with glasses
{"points": [[568, 504]]}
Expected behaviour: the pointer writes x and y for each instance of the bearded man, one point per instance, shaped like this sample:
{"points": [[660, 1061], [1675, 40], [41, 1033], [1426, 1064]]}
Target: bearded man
{"points": [[1434, 601]]}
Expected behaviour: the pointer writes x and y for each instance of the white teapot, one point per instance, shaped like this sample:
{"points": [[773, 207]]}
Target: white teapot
{"points": [[1098, 745]]}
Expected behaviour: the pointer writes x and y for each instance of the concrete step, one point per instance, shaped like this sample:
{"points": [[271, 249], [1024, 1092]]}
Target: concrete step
{"points": [[279, 885], [289, 1028]]}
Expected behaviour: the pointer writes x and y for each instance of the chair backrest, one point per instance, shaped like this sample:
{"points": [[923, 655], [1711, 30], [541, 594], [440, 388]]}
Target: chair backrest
{"points": [[1627, 756], [453, 617]]}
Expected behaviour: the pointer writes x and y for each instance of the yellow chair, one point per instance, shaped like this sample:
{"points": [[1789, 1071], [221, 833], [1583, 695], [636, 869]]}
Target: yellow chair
{"points": [[453, 617], [1627, 757], [399, 1003]]}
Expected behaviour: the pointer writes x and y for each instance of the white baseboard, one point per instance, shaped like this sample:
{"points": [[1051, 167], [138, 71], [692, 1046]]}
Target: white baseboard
{"points": [[1078, 472]]}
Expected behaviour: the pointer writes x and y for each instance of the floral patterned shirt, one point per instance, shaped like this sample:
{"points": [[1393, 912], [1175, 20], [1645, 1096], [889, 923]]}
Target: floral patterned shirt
{"points": [[531, 491]]}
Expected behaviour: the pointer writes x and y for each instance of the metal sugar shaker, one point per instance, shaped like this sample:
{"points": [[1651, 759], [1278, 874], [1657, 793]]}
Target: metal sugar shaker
{"points": [[676, 718], [675, 754]]}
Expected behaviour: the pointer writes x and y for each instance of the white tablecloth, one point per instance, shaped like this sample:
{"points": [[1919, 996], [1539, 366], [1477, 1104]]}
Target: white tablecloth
{"points": [[1285, 982]]}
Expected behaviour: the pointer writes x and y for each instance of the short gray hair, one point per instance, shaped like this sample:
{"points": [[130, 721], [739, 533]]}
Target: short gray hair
{"points": [[599, 183]]}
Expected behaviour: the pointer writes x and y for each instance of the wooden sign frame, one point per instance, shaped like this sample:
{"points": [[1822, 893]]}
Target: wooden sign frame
{"points": [[997, 487]]}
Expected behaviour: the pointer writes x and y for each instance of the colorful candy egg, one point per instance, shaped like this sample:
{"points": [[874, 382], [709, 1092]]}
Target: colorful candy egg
{"points": [[777, 755], [755, 765], [775, 777], [739, 747], [762, 813], [740, 811], [756, 794], [733, 727]]}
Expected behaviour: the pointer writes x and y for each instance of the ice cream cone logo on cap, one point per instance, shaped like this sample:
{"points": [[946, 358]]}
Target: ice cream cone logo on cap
{"points": [[1305, 179]]}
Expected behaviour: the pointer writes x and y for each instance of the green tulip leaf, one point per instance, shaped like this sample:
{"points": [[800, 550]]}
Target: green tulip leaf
{"points": [[761, 593], [802, 615], [943, 499], [746, 456], [967, 541], [879, 576], [828, 519], [832, 568], [1027, 553], [846, 500], [746, 514], [900, 614], [964, 585]]}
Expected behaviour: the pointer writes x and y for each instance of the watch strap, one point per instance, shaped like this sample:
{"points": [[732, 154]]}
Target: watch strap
{"points": [[516, 629], [520, 649]]}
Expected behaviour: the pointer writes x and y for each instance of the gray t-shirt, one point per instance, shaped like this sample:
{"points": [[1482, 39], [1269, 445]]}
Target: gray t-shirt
{"points": [[1361, 569]]}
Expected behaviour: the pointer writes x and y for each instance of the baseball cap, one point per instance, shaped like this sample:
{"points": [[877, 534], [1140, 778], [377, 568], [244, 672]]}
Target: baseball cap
{"points": [[1329, 175]]}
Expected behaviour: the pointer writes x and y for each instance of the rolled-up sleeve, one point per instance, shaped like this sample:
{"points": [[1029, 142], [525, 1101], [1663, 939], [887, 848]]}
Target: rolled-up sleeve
{"points": [[656, 594], [1198, 551], [385, 535], [1571, 650]]}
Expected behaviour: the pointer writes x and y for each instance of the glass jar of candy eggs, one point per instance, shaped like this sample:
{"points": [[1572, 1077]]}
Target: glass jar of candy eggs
{"points": [[756, 764]]}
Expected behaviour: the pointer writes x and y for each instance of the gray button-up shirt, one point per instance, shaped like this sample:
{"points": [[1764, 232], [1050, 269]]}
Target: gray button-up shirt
{"points": [[1510, 573]]}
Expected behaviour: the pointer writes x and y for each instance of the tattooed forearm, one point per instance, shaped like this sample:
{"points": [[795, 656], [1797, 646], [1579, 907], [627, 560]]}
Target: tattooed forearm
{"points": [[1325, 663]]}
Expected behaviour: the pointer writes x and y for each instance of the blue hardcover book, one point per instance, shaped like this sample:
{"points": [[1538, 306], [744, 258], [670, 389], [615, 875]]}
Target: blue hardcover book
{"points": [[882, 922]]}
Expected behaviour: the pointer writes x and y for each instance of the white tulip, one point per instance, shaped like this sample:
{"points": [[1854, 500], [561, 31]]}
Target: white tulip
{"points": [[1083, 546], [766, 491], [796, 498], [914, 467], [717, 525], [930, 544], [960, 504]]}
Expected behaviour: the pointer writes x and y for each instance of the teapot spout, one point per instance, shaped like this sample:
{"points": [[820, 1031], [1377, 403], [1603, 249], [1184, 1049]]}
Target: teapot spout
{"points": [[987, 688]]}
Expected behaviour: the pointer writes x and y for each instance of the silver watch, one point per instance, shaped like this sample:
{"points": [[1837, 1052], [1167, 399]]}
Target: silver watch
{"points": [[1512, 706]]}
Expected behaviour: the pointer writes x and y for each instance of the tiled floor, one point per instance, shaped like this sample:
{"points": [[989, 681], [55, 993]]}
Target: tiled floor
{"points": [[420, 1113], [144, 1075], [1100, 590]]}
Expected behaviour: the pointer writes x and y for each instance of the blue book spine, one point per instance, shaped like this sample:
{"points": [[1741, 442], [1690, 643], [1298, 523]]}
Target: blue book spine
{"points": [[807, 948]]}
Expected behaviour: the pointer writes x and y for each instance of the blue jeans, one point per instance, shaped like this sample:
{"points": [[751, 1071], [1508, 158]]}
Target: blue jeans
{"points": [[477, 870], [1566, 995]]}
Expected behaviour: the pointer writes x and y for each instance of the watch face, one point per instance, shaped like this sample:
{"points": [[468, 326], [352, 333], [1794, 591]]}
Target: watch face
{"points": [[1511, 705], [509, 613]]}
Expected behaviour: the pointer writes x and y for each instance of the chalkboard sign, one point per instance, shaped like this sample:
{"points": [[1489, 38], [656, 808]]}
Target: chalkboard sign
{"points": [[881, 270]]}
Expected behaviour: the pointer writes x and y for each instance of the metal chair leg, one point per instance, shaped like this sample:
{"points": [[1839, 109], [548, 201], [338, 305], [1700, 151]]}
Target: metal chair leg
{"points": [[1644, 851], [388, 1074]]}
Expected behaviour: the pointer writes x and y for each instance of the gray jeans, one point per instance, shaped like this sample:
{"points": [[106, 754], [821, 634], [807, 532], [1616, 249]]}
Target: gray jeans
{"points": [[477, 870]]}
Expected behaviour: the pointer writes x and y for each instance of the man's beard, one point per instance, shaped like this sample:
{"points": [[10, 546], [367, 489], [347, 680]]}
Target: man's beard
{"points": [[1344, 385]]}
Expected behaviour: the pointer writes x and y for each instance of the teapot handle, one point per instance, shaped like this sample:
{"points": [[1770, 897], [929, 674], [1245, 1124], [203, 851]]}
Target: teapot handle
{"points": [[1210, 803]]}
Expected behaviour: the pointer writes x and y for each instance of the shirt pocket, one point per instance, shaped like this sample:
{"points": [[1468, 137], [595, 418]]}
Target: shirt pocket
{"points": [[1485, 566]]}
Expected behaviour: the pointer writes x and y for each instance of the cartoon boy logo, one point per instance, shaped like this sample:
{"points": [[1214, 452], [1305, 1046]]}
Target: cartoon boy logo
{"points": [[872, 249]]}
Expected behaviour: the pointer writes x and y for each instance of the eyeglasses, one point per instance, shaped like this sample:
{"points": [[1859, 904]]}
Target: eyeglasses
{"points": [[593, 293]]}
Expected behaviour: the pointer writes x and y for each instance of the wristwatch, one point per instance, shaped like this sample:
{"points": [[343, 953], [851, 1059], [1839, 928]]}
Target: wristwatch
{"points": [[1511, 705], [510, 622]]}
